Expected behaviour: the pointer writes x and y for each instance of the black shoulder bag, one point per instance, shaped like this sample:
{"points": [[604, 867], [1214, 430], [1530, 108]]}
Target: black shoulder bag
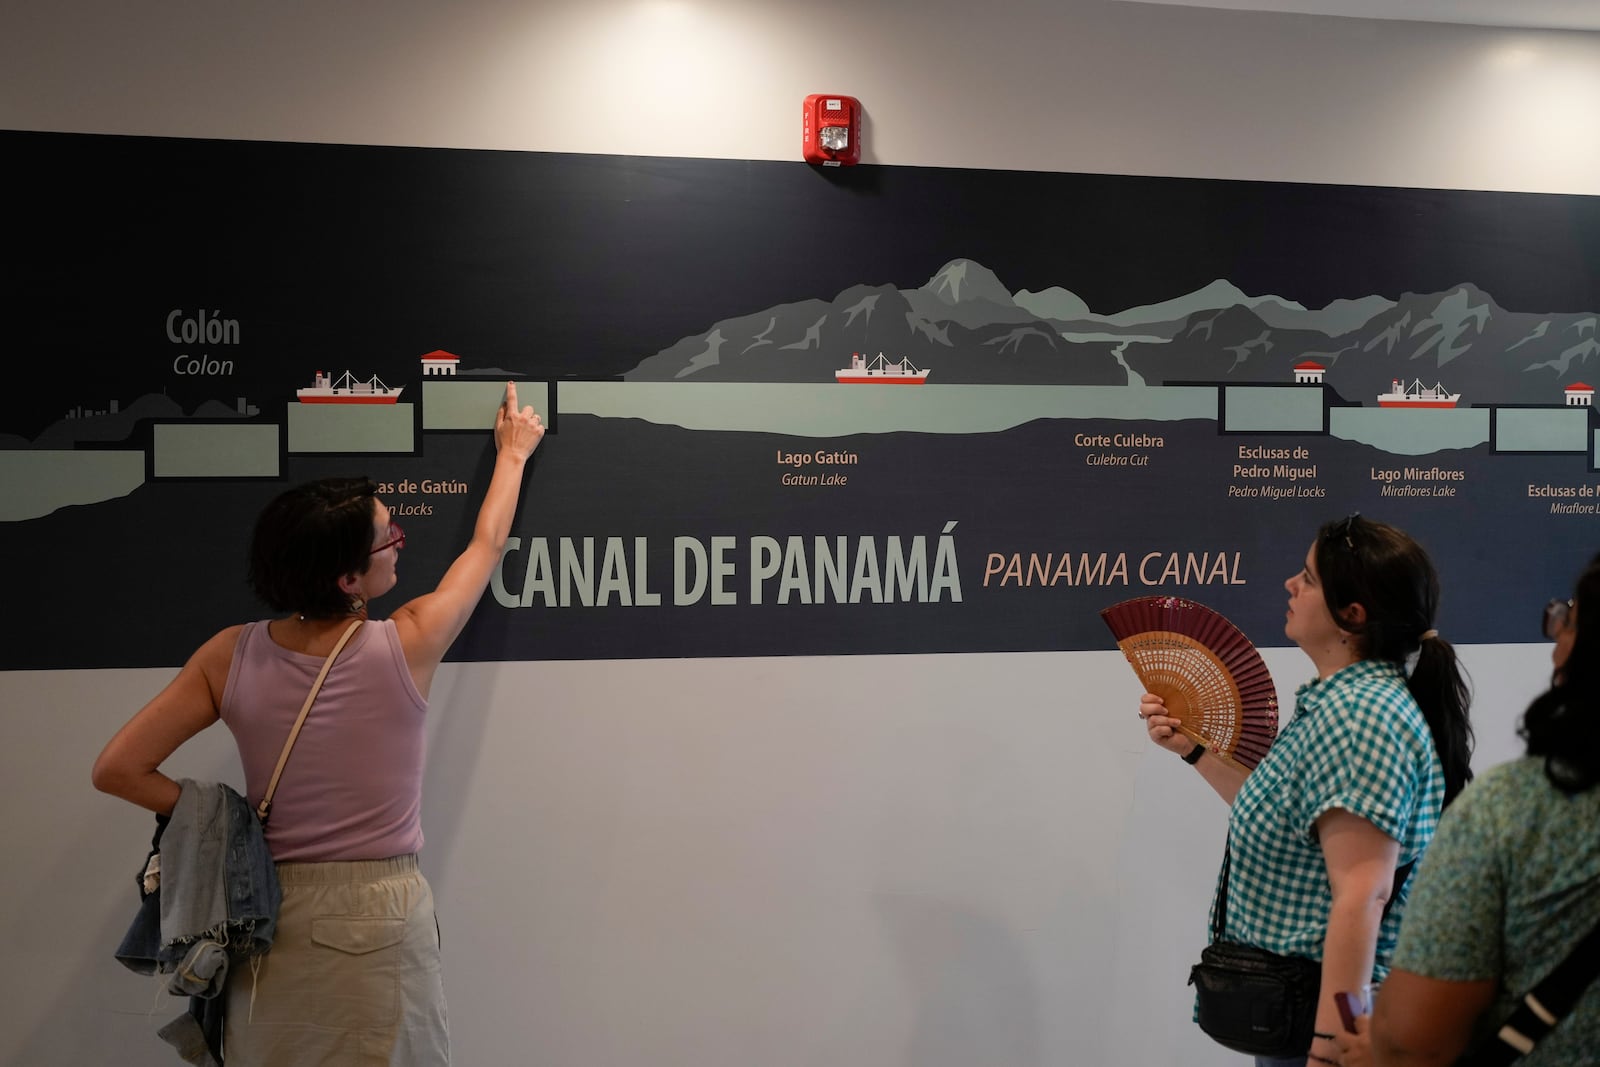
{"points": [[1254, 1001], [1251, 1000]]}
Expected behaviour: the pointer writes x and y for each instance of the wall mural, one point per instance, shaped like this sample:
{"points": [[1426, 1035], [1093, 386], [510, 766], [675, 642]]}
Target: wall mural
{"points": [[879, 410]]}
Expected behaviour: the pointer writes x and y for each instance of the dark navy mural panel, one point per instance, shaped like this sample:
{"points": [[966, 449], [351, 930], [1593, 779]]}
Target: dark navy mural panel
{"points": [[1092, 387]]}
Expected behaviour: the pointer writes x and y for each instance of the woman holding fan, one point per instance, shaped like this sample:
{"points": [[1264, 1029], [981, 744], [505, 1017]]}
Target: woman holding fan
{"points": [[1324, 830]]}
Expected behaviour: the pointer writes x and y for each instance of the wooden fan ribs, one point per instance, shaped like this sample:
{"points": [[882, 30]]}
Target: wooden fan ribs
{"points": [[1210, 676]]}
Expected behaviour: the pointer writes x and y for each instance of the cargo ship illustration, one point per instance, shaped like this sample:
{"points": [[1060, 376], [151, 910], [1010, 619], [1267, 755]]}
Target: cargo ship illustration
{"points": [[1416, 395], [879, 372], [347, 390]]}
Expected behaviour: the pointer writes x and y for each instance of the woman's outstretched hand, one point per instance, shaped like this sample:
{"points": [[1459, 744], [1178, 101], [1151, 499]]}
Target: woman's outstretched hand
{"points": [[517, 433]]}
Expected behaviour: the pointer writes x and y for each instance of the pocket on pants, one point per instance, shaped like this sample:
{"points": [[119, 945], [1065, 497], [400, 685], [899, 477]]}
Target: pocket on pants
{"points": [[358, 936], [355, 961]]}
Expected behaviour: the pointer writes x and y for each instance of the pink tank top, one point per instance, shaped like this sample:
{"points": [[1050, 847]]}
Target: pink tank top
{"points": [[352, 789]]}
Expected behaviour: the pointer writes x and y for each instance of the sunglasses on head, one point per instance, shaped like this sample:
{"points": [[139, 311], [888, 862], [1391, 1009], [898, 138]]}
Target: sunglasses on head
{"points": [[1556, 615], [1341, 530]]}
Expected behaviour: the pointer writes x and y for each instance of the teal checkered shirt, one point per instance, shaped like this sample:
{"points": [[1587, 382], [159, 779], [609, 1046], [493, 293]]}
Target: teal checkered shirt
{"points": [[1359, 742]]}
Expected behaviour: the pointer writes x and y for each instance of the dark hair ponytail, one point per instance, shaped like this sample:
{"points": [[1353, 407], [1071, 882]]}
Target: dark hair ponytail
{"points": [[1381, 568], [1560, 724], [1440, 688]]}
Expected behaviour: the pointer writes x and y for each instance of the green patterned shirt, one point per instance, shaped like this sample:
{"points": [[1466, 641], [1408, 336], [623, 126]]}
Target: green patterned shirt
{"points": [[1510, 885], [1358, 742]]}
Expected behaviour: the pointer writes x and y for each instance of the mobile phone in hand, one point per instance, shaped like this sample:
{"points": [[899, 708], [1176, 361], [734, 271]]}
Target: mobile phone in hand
{"points": [[1350, 1005]]}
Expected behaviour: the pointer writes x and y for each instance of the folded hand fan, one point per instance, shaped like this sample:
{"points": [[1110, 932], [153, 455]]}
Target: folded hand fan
{"points": [[1210, 675]]}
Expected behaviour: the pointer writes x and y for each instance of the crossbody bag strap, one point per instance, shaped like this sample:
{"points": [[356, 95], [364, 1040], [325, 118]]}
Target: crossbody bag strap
{"points": [[265, 807], [1400, 876], [1538, 1012], [1219, 921]]}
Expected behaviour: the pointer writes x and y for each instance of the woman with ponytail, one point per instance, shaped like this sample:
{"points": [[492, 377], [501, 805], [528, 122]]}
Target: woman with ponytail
{"points": [[1323, 833]]}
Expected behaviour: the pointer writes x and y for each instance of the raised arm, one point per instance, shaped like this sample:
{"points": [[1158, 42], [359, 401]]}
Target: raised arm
{"points": [[429, 624], [129, 765]]}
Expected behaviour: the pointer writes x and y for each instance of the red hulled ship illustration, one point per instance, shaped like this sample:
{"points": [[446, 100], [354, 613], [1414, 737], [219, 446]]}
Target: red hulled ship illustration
{"points": [[347, 390], [879, 372]]}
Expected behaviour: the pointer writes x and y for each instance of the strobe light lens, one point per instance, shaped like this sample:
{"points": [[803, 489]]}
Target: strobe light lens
{"points": [[836, 138]]}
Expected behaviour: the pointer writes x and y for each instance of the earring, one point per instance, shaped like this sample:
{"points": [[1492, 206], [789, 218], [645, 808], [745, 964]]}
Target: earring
{"points": [[358, 606]]}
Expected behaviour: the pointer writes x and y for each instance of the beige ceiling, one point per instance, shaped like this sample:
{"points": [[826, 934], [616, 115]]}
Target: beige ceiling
{"points": [[1528, 14]]}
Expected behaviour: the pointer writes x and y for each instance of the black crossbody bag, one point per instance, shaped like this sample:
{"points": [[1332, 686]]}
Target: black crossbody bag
{"points": [[1254, 1001]]}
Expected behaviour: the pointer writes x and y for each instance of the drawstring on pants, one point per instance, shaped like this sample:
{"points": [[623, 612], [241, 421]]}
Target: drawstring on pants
{"points": [[255, 970]]}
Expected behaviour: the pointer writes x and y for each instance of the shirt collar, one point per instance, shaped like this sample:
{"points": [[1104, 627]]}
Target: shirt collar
{"points": [[1364, 668]]}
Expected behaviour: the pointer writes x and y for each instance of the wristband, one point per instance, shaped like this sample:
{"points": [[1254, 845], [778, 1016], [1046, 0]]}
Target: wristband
{"points": [[1194, 754]]}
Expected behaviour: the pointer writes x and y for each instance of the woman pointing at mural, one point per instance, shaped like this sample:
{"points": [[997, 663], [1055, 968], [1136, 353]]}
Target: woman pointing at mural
{"points": [[1322, 833], [353, 971]]}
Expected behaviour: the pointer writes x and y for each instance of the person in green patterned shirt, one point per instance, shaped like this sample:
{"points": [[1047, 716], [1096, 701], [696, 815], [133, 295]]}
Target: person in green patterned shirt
{"points": [[1511, 883], [1351, 790]]}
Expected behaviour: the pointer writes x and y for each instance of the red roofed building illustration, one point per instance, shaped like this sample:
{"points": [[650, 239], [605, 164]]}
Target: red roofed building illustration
{"points": [[1309, 373], [1580, 395], [439, 364]]}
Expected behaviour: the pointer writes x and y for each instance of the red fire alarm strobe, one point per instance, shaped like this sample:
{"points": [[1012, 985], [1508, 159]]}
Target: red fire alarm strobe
{"points": [[831, 130]]}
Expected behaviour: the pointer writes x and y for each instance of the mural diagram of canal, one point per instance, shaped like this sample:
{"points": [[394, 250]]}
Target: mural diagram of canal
{"points": [[1413, 376], [98, 453]]}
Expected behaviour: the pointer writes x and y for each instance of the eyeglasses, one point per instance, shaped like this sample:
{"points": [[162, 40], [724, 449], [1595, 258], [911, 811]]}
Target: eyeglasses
{"points": [[396, 539], [1556, 616]]}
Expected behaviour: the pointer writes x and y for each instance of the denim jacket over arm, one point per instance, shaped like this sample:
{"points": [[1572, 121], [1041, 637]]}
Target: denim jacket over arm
{"points": [[217, 900]]}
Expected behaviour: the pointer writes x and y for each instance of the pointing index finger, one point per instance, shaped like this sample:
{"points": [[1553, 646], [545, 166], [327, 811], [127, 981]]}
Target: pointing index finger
{"points": [[511, 395]]}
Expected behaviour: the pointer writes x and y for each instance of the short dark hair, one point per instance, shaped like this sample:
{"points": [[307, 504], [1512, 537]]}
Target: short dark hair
{"points": [[1383, 569], [308, 538], [1559, 725]]}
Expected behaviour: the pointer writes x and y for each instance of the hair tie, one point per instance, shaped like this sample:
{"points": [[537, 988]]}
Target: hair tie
{"points": [[1427, 635]]}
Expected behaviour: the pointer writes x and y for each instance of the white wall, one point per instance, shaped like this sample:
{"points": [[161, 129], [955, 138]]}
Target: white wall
{"points": [[1086, 85], [856, 861]]}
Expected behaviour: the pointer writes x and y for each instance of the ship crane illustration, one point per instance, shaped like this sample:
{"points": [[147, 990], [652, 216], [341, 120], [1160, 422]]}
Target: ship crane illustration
{"points": [[880, 372], [347, 390], [1417, 395]]}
